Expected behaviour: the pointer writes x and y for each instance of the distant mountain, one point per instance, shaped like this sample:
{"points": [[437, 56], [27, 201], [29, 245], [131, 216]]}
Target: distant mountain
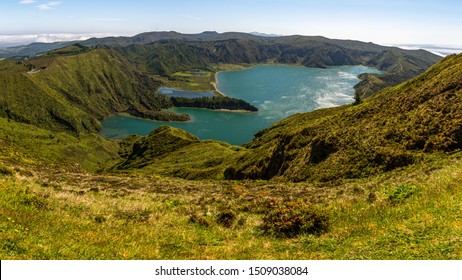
{"points": [[164, 53], [169, 56], [31, 49], [265, 35]]}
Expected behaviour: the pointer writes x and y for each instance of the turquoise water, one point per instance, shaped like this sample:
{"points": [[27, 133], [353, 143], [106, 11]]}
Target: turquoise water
{"points": [[278, 92]]}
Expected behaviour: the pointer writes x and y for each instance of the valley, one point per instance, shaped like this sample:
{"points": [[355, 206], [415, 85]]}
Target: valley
{"points": [[375, 178]]}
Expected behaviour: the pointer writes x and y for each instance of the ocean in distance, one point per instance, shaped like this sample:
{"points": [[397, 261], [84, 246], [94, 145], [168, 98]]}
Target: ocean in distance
{"points": [[277, 90]]}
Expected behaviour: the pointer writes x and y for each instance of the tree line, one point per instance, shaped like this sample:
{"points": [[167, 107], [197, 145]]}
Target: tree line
{"points": [[214, 103]]}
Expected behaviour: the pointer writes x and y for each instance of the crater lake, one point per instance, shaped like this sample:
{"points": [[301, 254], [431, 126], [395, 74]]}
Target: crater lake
{"points": [[277, 90]]}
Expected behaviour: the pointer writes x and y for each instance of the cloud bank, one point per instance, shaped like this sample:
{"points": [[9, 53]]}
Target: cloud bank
{"points": [[16, 40], [440, 50]]}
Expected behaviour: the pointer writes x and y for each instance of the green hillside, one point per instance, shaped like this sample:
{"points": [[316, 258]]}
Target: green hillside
{"points": [[74, 87], [165, 53]]}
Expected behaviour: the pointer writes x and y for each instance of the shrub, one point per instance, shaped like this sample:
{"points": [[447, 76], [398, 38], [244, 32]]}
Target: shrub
{"points": [[202, 220], [5, 170], [227, 217], [289, 219], [401, 193]]}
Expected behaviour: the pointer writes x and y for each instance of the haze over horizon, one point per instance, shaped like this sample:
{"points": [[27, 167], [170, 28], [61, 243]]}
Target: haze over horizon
{"points": [[403, 23]]}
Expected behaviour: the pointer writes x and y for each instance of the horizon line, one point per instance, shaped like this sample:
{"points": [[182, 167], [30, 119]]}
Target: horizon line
{"points": [[15, 40]]}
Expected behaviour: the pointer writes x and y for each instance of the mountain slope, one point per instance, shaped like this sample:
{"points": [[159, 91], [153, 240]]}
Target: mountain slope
{"points": [[74, 87], [32, 49], [173, 152]]}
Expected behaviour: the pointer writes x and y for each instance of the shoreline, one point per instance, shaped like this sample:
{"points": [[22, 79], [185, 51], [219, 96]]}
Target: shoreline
{"points": [[214, 84], [221, 68], [233, 111]]}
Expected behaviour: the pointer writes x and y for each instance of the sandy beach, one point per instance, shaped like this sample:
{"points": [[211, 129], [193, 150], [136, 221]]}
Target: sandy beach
{"points": [[214, 84]]}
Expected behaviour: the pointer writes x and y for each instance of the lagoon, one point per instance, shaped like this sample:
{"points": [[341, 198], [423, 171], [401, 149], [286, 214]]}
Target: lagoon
{"points": [[277, 90]]}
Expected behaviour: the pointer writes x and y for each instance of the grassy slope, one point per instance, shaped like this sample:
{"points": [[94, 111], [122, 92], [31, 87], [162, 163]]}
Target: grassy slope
{"points": [[82, 216], [172, 151], [26, 145]]}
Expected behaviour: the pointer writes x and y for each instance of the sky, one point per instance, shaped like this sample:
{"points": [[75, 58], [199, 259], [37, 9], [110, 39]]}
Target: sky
{"points": [[391, 22]]}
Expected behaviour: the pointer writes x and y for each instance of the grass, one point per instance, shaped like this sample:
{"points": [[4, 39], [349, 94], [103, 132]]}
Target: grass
{"points": [[110, 216], [191, 80], [23, 144], [200, 80]]}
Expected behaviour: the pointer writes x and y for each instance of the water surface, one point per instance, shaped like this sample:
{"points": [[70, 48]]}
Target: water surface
{"points": [[278, 92]]}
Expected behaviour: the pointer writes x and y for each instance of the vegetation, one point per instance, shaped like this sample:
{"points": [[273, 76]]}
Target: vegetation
{"points": [[73, 92], [168, 57], [166, 53], [214, 103], [174, 152], [377, 180], [69, 50], [50, 215], [293, 218], [27, 145]]}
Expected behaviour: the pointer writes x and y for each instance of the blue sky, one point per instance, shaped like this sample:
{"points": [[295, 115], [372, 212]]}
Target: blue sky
{"points": [[385, 22]]}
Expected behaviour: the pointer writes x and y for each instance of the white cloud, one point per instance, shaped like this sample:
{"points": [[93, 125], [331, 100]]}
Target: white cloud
{"points": [[16, 40], [48, 6], [441, 50], [27, 1]]}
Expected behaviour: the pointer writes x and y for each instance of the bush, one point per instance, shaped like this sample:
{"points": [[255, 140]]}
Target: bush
{"points": [[227, 217], [401, 193], [202, 220], [5, 170], [289, 219]]}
